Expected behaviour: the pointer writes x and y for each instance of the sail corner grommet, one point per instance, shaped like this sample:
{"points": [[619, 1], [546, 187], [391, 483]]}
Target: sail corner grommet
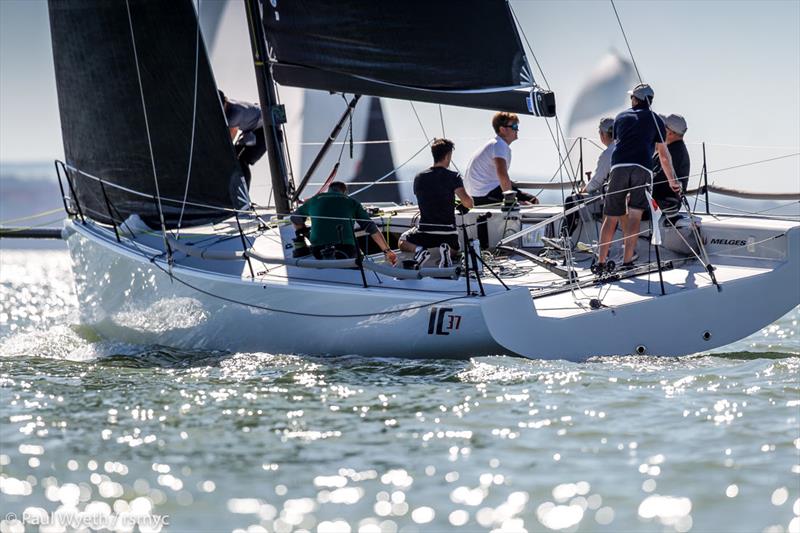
{"points": [[641, 349], [706, 335]]}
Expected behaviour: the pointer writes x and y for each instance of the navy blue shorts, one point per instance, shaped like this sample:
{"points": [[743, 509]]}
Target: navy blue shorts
{"points": [[625, 181]]}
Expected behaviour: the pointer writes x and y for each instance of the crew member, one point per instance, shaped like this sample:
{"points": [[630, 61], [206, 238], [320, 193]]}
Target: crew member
{"points": [[638, 132], [245, 119], [598, 180], [332, 216], [487, 172], [667, 199], [436, 189]]}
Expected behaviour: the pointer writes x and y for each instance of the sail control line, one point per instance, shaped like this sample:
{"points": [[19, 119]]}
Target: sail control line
{"points": [[545, 222]]}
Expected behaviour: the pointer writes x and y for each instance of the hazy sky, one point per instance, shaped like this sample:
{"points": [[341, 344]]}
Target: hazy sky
{"points": [[731, 67]]}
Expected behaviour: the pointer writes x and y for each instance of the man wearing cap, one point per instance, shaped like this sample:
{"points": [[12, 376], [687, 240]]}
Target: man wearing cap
{"points": [[603, 169], [638, 132], [486, 177], [599, 178], [667, 199]]}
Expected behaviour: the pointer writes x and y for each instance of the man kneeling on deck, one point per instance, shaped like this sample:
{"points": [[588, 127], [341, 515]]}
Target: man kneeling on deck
{"points": [[435, 189], [332, 215]]}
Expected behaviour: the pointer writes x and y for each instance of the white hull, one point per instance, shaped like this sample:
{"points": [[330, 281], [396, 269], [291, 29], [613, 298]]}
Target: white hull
{"points": [[126, 296]]}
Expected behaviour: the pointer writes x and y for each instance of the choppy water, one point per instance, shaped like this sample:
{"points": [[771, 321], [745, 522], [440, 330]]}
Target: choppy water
{"points": [[97, 434]]}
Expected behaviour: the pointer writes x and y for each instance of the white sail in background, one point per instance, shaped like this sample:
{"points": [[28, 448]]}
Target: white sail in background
{"points": [[603, 95]]}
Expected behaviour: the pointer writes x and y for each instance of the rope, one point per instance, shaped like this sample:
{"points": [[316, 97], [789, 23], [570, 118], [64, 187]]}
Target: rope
{"points": [[29, 217], [147, 125], [34, 226]]}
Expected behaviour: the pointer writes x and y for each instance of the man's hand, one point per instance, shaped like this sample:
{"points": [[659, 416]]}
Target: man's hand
{"points": [[675, 186], [462, 209], [391, 256]]}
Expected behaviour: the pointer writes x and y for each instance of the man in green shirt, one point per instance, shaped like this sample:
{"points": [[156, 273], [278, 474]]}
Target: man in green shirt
{"points": [[332, 216]]}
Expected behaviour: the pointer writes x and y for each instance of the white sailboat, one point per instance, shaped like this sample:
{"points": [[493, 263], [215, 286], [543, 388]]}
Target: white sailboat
{"points": [[164, 251]]}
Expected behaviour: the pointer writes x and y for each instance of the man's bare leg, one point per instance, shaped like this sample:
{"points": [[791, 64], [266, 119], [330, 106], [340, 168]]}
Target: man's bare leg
{"points": [[631, 230], [606, 235], [407, 246]]}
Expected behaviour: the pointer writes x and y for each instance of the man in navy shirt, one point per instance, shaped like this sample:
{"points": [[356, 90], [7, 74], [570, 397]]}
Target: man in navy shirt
{"points": [[436, 189], [638, 132]]}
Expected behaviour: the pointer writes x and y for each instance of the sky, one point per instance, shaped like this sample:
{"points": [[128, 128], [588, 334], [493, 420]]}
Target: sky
{"points": [[732, 68]]}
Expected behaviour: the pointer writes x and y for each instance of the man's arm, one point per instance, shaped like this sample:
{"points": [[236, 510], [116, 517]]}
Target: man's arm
{"points": [[234, 131], [365, 222], [666, 165], [466, 199], [600, 173], [299, 215], [502, 174], [377, 236]]}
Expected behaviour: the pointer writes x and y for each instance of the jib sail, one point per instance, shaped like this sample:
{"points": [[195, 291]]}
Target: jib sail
{"points": [[127, 72]]}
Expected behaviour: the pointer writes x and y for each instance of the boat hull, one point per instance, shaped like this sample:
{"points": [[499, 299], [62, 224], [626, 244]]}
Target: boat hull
{"points": [[126, 295], [127, 298]]}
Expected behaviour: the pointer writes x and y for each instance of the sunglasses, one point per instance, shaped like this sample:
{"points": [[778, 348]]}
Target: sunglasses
{"points": [[514, 127]]}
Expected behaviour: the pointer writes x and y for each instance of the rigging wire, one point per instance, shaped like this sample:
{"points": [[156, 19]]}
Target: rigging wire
{"points": [[419, 121], [746, 164], [194, 120], [533, 54], [630, 52], [147, 128], [391, 171]]}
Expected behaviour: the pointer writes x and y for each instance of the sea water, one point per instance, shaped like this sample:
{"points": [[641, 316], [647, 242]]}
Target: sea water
{"points": [[98, 434]]}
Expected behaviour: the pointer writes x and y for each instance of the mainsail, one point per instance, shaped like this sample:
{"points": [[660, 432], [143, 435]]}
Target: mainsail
{"points": [[127, 73], [458, 52]]}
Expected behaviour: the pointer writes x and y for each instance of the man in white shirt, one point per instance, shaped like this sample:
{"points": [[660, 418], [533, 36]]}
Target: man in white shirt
{"points": [[486, 178]]}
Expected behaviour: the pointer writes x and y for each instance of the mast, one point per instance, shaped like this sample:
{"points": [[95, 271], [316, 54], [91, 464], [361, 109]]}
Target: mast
{"points": [[273, 115]]}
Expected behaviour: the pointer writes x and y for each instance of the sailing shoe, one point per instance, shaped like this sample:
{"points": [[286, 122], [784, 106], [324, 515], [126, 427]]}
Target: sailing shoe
{"points": [[629, 265], [421, 255], [446, 261]]}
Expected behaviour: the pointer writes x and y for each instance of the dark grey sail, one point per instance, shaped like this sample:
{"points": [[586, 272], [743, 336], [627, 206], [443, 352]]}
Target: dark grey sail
{"points": [[376, 160], [126, 80], [457, 52]]}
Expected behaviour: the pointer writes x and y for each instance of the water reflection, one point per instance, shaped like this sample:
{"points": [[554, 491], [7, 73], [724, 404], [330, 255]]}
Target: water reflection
{"points": [[124, 436]]}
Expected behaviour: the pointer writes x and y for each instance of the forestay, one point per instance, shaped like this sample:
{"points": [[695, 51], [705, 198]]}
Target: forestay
{"points": [[457, 52]]}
